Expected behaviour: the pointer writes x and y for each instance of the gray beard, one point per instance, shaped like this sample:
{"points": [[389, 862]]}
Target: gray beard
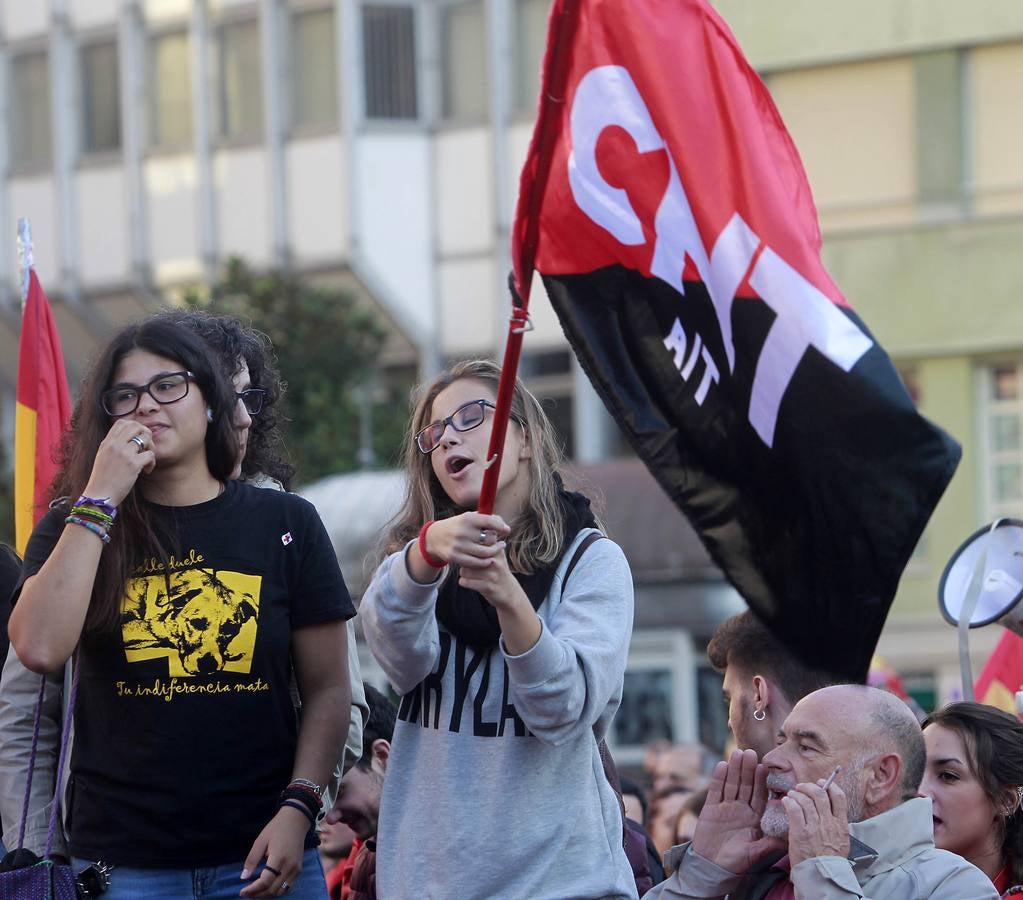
{"points": [[775, 822]]}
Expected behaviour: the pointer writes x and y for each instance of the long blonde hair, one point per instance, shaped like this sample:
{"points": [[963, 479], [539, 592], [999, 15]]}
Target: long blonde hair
{"points": [[537, 537]]}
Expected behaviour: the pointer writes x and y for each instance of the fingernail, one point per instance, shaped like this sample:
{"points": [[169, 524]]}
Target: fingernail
{"points": [[245, 874]]}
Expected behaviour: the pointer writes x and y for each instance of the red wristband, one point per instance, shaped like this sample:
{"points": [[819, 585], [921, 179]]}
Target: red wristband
{"points": [[431, 561]]}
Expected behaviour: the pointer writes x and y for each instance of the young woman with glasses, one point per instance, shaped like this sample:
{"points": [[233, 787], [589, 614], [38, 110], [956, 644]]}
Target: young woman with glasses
{"points": [[189, 597], [509, 671]]}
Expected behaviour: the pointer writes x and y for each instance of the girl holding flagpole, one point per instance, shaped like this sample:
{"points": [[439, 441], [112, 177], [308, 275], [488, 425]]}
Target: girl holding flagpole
{"points": [[507, 636], [189, 597]]}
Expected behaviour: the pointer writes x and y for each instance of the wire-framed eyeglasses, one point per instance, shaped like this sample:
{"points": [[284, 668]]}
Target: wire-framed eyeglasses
{"points": [[465, 418], [253, 399], [169, 387]]}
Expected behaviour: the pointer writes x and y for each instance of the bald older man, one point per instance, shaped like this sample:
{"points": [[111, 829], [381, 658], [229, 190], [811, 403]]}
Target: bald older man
{"points": [[777, 830]]}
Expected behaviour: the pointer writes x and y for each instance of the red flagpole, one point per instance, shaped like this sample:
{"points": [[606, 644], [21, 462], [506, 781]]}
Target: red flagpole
{"points": [[524, 247]]}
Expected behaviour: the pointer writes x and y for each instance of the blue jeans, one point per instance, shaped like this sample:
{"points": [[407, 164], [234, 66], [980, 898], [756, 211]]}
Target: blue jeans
{"points": [[213, 883]]}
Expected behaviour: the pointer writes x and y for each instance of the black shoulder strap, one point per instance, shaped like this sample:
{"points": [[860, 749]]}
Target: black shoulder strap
{"points": [[591, 538], [610, 769]]}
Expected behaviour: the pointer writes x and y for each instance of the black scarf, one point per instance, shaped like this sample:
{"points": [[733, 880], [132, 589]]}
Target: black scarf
{"points": [[467, 615]]}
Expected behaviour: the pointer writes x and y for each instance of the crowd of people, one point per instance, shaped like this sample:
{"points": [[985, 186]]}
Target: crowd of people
{"points": [[182, 627]]}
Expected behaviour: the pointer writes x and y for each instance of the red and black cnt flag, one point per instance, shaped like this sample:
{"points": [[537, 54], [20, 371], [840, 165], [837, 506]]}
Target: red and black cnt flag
{"points": [[667, 210]]}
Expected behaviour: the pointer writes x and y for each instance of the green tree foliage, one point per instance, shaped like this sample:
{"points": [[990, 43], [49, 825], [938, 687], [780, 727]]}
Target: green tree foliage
{"points": [[327, 348]]}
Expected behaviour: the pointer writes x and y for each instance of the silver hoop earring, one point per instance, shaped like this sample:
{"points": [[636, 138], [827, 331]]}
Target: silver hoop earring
{"points": [[759, 715]]}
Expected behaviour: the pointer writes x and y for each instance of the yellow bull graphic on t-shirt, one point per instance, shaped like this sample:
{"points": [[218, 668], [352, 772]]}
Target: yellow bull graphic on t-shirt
{"points": [[203, 621]]}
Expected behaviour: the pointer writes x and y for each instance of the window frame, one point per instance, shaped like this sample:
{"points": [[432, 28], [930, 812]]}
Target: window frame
{"points": [[520, 111], [18, 168], [988, 457], [243, 139], [671, 650], [86, 157], [311, 129], [392, 124], [454, 120], [170, 148]]}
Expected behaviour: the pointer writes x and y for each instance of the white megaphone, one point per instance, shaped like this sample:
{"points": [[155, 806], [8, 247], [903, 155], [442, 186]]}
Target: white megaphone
{"points": [[982, 584]]}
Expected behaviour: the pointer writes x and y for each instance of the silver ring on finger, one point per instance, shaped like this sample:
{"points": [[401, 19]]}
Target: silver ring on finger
{"points": [[482, 539], [285, 887], [139, 442]]}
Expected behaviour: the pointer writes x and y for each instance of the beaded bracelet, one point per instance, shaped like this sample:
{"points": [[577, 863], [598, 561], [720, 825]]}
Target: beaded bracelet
{"points": [[97, 530], [431, 561], [295, 804], [103, 504]]}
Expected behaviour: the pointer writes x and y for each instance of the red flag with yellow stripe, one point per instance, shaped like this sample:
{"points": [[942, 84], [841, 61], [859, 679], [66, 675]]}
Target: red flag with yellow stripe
{"points": [[43, 411], [1002, 674]]}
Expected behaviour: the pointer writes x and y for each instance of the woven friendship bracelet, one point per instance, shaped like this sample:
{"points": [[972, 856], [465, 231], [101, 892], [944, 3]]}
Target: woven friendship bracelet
{"points": [[96, 529], [90, 512], [103, 504]]}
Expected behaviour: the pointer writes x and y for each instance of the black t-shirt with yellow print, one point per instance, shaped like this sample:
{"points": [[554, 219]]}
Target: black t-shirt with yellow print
{"points": [[185, 731]]}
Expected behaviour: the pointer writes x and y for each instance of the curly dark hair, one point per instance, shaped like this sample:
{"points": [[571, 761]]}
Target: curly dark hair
{"points": [[994, 748], [234, 340]]}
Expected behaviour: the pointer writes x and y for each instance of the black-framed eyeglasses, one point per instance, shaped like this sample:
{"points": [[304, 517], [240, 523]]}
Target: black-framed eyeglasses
{"points": [[169, 387], [253, 399], [465, 418]]}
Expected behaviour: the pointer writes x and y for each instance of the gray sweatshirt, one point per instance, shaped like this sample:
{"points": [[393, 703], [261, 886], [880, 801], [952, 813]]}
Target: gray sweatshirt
{"points": [[494, 785]]}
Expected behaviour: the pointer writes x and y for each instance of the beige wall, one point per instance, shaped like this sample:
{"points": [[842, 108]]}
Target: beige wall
{"points": [[780, 34], [995, 100], [171, 190], [854, 128]]}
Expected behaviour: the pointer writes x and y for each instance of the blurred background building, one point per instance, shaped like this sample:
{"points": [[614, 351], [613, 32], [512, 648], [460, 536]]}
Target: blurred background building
{"points": [[376, 146]]}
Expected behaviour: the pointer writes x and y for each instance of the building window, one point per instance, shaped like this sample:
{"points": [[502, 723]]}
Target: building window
{"points": [[531, 37], [657, 695], [548, 374], [646, 712], [239, 81], [389, 57], [1003, 423], [170, 90], [29, 133], [101, 105], [464, 93], [313, 69]]}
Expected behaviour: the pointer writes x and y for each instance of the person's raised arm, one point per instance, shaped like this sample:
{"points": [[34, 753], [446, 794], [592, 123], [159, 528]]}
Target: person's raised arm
{"points": [[48, 618]]}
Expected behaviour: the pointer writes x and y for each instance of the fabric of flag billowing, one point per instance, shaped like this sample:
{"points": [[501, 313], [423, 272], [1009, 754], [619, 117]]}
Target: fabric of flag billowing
{"points": [[42, 411], [667, 210], [1002, 675]]}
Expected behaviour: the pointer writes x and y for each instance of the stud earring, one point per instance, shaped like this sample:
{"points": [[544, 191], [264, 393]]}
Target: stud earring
{"points": [[759, 715], [209, 414]]}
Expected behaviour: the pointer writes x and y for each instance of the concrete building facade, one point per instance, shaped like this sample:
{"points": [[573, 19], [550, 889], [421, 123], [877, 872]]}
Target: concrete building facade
{"points": [[378, 144]]}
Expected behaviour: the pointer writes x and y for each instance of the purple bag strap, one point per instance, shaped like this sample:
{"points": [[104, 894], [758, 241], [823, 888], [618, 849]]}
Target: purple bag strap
{"points": [[65, 741]]}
